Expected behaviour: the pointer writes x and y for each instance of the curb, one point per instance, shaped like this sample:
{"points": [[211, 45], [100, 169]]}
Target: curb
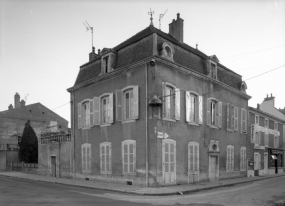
{"points": [[152, 194]]}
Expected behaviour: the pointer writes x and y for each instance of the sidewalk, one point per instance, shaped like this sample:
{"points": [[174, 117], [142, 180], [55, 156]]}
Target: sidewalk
{"points": [[140, 190]]}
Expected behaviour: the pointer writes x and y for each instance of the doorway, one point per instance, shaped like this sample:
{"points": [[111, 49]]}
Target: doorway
{"points": [[265, 163], [53, 166], [169, 161], [213, 168]]}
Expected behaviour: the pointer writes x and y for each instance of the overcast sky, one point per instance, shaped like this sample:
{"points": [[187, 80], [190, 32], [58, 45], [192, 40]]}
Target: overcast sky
{"points": [[43, 43]]}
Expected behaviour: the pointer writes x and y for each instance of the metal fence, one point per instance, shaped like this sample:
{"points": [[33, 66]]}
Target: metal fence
{"points": [[21, 165], [56, 138]]}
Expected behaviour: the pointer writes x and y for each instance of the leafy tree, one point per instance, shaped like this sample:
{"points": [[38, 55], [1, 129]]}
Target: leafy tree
{"points": [[28, 152]]}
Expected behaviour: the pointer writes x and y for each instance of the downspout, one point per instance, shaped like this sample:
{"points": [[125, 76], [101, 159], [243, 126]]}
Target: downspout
{"points": [[146, 125], [73, 131]]}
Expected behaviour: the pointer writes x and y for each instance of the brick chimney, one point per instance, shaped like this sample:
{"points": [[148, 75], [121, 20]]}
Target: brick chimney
{"points": [[17, 100], [23, 103], [176, 28], [10, 107], [92, 55]]}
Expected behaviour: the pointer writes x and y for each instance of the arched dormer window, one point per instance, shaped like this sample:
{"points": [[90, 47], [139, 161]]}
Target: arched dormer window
{"points": [[167, 51]]}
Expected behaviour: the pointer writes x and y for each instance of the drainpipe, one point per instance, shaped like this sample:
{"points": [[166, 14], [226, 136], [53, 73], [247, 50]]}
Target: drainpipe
{"points": [[73, 132], [146, 125]]}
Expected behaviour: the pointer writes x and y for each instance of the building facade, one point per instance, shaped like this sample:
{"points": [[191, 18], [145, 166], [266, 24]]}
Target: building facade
{"points": [[12, 123], [265, 145], [155, 111]]}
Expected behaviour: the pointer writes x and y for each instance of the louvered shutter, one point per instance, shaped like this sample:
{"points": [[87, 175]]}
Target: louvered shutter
{"points": [[191, 158], [83, 159], [232, 159], [110, 158], [228, 159], [91, 113], [208, 111], [88, 159], [241, 159], [200, 109], [110, 109], [79, 116], [136, 102], [187, 103], [101, 157], [134, 157], [196, 158], [177, 103], [119, 105], [245, 121], [83, 115], [163, 99], [88, 113], [228, 116], [216, 114], [96, 110], [236, 118], [220, 114]]}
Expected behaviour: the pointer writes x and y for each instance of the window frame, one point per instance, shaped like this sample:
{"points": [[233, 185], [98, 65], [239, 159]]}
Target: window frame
{"points": [[256, 117], [276, 141], [198, 108], [174, 101], [266, 122], [84, 114], [164, 53], [266, 139], [128, 143], [230, 158], [109, 97], [257, 162], [103, 158], [215, 118], [257, 138], [243, 158], [108, 58], [193, 143], [84, 167]]}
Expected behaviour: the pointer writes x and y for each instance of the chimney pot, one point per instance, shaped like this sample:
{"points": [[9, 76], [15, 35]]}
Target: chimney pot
{"points": [[23, 103], [258, 106], [92, 55], [16, 100], [99, 52], [10, 107], [178, 16], [176, 28]]}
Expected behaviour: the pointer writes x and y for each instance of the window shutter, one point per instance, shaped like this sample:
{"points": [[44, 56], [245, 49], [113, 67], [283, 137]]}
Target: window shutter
{"points": [[136, 102], [228, 159], [196, 158], [236, 118], [232, 159], [83, 115], [163, 99], [96, 111], [91, 113], [119, 105], [228, 116], [101, 158], [200, 109], [88, 114], [111, 110], [177, 103], [112, 62], [217, 114], [79, 116], [241, 159], [220, 114], [191, 157], [110, 158], [208, 111], [232, 115], [123, 161], [88, 159], [134, 156], [83, 159], [245, 121], [187, 102]]}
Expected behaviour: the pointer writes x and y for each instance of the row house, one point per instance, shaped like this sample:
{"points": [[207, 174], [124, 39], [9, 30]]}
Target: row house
{"points": [[154, 111], [265, 143]]}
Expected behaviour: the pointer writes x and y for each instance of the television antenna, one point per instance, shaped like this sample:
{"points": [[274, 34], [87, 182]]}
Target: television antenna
{"points": [[88, 27], [151, 13], [160, 17]]}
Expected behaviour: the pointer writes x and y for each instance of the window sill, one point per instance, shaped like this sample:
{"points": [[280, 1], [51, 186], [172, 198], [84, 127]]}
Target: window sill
{"points": [[214, 127], [89, 127], [128, 121], [230, 130], [194, 124], [106, 173], [105, 125], [169, 119], [129, 173]]}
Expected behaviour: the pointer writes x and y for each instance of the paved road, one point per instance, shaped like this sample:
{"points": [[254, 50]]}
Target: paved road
{"points": [[26, 192]]}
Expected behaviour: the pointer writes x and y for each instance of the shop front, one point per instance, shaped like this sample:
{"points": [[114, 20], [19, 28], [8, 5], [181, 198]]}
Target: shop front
{"points": [[276, 164]]}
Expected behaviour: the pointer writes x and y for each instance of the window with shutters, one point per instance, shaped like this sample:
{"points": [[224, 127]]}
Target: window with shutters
{"points": [[105, 114], [86, 158], [171, 101], [257, 138], [129, 156], [107, 63], [266, 123], [232, 117], [256, 120], [230, 158], [194, 108], [243, 120], [266, 140], [276, 141], [85, 114], [214, 113], [106, 158], [213, 70], [275, 126], [127, 103], [243, 159], [257, 161], [193, 158]]}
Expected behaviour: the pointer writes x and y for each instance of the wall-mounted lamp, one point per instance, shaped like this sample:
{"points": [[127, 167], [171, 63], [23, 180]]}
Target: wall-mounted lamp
{"points": [[155, 103]]}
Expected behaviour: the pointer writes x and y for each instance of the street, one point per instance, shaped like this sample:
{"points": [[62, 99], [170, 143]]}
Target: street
{"points": [[15, 191]]}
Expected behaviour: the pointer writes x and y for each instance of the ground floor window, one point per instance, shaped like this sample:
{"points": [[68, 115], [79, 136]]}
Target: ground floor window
{"points": [[86, 158], [105, 157], [257, 161], [129, 156]]}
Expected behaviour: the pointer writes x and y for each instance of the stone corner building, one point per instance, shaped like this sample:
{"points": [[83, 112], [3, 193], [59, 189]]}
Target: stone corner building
{"points": [[154, 111]]}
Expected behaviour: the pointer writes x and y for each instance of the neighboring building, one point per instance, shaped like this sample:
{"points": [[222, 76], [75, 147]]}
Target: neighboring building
{"points": [[265, 145], [12, 123], [155, 111]]}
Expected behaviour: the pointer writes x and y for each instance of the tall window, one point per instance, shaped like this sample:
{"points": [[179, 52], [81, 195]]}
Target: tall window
{"points": [[275, 126], [266, 123], [84, 114], [266, 139], [256, 119], [106, 61], [105, 157], [214, 112], [127, 102], [194, 107], [86, 158], [105, 109], [230, 158], [257, 138], [171, 101], [276, 141], [232, 117], [242, 159], [193, 157], [129, 156], [243, 120], [257, 161], [213, 71]]}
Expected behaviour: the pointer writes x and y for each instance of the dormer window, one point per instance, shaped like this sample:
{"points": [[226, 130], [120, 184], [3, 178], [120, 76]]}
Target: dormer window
{"points": [[107, 62], [213, 71], [212, 67], [167, 51]]}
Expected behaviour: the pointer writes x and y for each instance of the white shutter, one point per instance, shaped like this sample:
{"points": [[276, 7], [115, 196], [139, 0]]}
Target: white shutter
{"points": [[208, 111], [241, 159], [119, 105], [190, 158], [245, 121], [232, 159], [134, 156], [88, 113], [177, 103], [136, 102], [101, 157], [83, 148], [196, 158], [91, 113], [123, 160], [111, 110], [83, 115], [110, 158], [220, 109], [228, 116], [187, 102], [235, 118], [88, 159], [200, 109], [96, 108], [79, 116], [163, 99]]}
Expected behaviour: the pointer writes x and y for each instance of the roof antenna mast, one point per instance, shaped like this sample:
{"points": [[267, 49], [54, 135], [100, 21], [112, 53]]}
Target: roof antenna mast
{"points": [[160, 17], [88, 27], [151, 13]]}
